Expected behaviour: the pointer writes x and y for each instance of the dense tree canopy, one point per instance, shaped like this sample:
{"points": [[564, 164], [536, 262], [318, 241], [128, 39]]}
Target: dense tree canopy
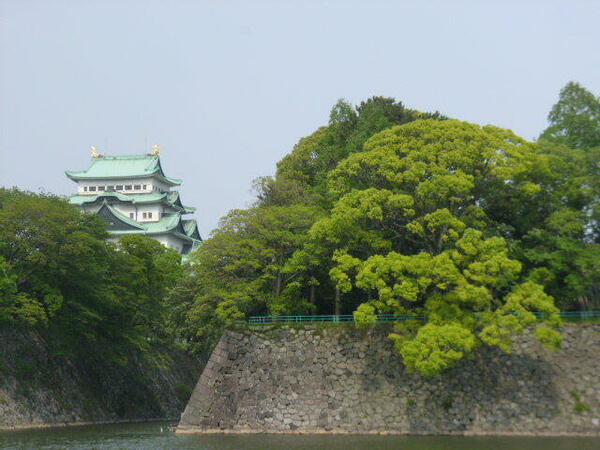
{"points": [[240, 270], [568, 246], [314, 156], [416, 229], [59, 273], [389, 210], [575, 118]]}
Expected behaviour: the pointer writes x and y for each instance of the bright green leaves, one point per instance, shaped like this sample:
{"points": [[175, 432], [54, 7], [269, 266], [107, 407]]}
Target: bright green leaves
{"points": [[340, 273], [303, 164], [548, 336], [436, 160], [437, 228], [469, 274], [292, 252], [415, 230], [397, 279], [515, 314], [8, 290], [486, 260], [435, 347], [364, 219], [364, 315], [446, 188]]}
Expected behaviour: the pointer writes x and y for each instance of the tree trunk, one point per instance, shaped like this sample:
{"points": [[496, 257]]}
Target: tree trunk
{"points": [[337, 301], [278, 284], [312, 299]]}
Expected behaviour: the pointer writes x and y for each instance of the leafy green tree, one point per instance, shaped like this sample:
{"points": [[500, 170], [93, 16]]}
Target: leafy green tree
{"points": [[343, 119], [379, 113], [48, 248], [147, 271], [575, 118], [315, 156], [471, 228], [60, 276], [281, 192], [415, 229], [303, 164], [573, 138], [564, 259], [239, 270], [561, 259], [15, 305]]}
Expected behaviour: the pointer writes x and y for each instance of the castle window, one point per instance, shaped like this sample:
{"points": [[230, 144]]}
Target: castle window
{"points": [[131, 215], [137, 187], [145, 186], [110, 188], [128, 187], [149, 215], [144, 215], [119, 187], [92, 188], [85, 189], [100, 188]]}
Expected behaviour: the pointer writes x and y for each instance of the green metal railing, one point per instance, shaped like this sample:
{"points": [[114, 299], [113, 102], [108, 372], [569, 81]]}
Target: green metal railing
{"points": [[578, 315], [327, 318], [258, 320]]}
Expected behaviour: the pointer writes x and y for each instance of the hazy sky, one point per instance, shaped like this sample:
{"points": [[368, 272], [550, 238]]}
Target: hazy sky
{"points": [[227, 88]]}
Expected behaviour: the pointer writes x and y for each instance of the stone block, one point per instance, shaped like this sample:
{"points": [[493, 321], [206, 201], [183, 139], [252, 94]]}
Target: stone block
{"points": [[340, 381]]}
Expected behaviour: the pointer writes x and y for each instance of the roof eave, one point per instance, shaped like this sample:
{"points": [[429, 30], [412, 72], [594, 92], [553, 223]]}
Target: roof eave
{"points": [[168, 180], [71, 175], [155, 233], [122, 217], [92, 178]]}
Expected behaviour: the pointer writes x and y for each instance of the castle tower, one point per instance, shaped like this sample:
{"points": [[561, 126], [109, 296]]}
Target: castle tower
{"points": [[134, 196]]}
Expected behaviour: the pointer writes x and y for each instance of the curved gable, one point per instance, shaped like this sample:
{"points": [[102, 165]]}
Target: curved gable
{"points": [[115, 220]]}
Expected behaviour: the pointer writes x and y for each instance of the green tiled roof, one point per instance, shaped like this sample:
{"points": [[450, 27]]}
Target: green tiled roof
{"points": [[174, 199], [167, 223], [190, 227], [114, 167], [130, 198], [170, 198], [123, 218]]}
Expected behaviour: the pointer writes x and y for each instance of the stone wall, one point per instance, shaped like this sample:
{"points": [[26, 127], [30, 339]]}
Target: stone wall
{"points": [[339, 379], [40, 386]]}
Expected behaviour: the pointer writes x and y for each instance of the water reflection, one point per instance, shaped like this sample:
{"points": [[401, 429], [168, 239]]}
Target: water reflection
{"points": [[155, 435]]}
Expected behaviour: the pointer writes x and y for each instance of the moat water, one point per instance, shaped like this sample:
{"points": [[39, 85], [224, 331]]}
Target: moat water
{"points": [[156, 435]]}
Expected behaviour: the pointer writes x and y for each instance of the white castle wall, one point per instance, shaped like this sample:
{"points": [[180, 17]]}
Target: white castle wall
{"points": [[150, 183], [170, 241]]}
